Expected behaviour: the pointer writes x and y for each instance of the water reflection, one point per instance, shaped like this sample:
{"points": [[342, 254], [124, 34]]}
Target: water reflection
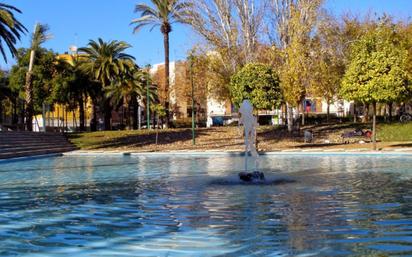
{"points": [[169, 206]]}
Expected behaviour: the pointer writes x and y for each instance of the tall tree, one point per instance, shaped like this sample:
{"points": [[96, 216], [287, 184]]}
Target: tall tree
{"points": [[230, 29], [5, 92], [327, 61], [127, 87], [105, 62], [377, 72], [164, 14], [72, 85], [291, 25], [10, 29], [40, 81], [39, 36]]}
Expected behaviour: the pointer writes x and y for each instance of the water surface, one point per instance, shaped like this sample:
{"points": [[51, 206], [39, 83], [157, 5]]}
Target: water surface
{"points": [[191, 206]]}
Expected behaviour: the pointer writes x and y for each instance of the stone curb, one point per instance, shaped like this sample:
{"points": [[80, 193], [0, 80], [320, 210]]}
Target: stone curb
{"points": [[240, 153]]}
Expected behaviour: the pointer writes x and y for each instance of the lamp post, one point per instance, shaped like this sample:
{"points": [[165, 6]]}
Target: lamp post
{"points": [[148, 97]]}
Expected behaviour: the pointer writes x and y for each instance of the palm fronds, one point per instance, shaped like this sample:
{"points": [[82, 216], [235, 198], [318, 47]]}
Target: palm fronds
{"points": [[10, 29]]}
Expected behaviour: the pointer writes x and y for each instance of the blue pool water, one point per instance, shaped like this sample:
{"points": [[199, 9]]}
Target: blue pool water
{"points": [[191, 206]]}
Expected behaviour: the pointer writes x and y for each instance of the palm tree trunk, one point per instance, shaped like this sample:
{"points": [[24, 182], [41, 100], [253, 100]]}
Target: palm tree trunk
{"points": [[81, 110], [15, 117], [107, 114], [134, 105], [1, 112], [93, 120], [167, 76], [29, 94]]}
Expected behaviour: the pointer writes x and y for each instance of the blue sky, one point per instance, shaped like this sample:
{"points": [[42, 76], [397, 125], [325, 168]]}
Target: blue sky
{"points": [[77, 21]]}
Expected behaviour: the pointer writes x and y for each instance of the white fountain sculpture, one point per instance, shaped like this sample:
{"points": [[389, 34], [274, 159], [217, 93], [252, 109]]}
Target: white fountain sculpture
{"points": [[249, 122]]}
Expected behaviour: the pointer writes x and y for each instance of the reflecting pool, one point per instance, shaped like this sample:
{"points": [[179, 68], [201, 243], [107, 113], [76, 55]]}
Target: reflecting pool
{"points": [[329, 205]]}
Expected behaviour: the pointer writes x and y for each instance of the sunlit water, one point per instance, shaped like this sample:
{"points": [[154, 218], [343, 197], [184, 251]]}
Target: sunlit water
{"points": [[193, 206]]}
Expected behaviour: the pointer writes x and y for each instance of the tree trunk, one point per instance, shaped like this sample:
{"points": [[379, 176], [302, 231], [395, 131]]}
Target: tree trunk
{"points": [[354, 112], [154, 119], [303, 113], [135, 107], [157, 130], [374, 126], [21, 115], [167, 76], [93, 120], [327, 111], [1, 112], [107, 114], [390, 106], [290, 117], [128, 115], [15, 118], [29, 94], [366, 113], [81, 112]]}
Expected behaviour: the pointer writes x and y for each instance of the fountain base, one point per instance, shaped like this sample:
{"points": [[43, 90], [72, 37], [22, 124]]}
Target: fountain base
{"points": [[254, 176]]}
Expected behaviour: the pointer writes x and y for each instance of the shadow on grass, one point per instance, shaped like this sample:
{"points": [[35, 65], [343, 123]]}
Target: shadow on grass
{"points": [[318, 145], [403, 145], [141, 140], [277, 134]]}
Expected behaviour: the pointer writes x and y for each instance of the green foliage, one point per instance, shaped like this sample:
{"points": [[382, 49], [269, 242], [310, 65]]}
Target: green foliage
{"points": [[158, 109], [70, 83], [258, 83], [43, 72], [327, 60], [130, 83], [163, 15], [294, 73], [377, 70], [10, 29], [39, 36], [106, 60]]}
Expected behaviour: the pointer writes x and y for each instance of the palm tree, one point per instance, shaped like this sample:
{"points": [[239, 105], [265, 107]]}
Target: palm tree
{"points": [[105, 62], [164, 14], [72, 85], [10, 29], [127, 87], [39, 36], [5, 92]]}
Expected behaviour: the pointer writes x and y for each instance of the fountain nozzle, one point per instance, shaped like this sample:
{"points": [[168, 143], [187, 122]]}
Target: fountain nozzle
{"points": [[254, 176]]}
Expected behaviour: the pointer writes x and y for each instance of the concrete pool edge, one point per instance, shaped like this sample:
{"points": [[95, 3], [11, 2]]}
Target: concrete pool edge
{"points": [[28, 158], [397, 152], [236, 153]]}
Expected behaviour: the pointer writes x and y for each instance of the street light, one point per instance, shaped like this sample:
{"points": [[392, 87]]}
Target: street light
{"points": [[148, 97]]}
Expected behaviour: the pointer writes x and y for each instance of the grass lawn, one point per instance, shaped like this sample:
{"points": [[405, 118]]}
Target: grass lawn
{"points": [[230, 138], [395, 132]]}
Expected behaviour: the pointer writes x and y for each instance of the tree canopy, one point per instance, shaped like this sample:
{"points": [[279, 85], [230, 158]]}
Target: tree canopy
{"points": [[377, 70], [258, 83]]}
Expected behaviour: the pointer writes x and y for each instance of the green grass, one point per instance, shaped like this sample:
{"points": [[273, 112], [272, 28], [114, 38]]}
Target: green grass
{"points": [[170, 139], [396, 132], [93, 140], [126, 138]]}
